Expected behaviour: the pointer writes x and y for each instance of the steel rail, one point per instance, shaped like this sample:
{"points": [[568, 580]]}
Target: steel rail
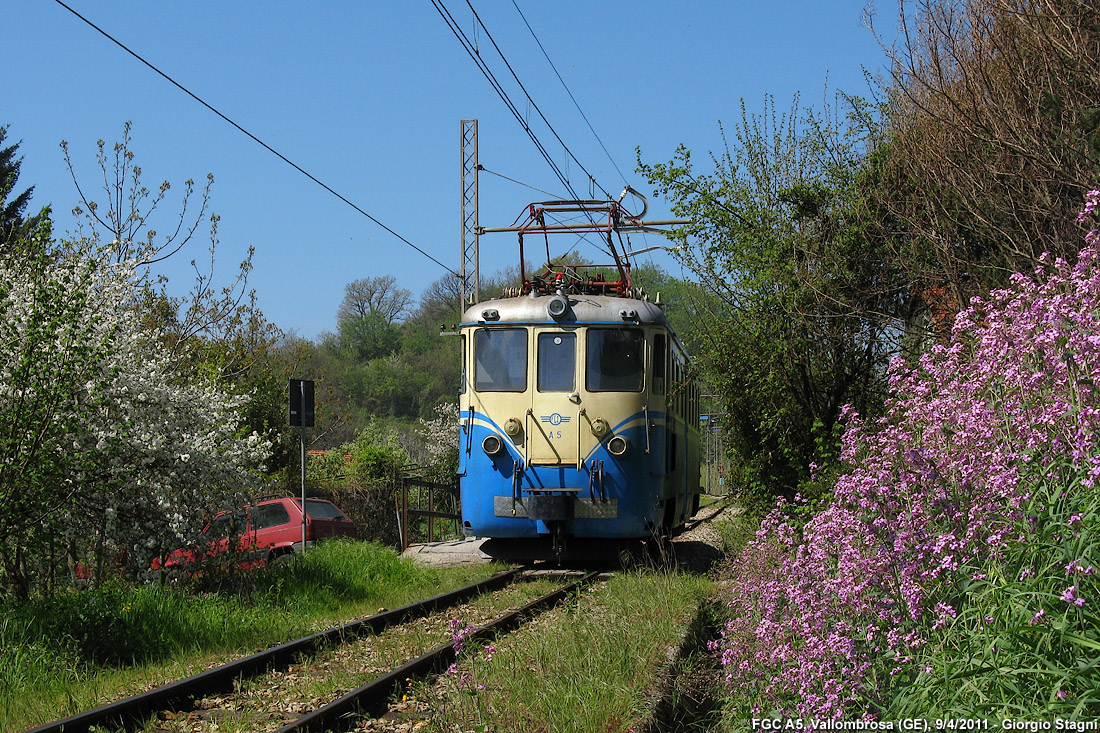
{"points": [[376, 693], [132, 710], [718, 509]]}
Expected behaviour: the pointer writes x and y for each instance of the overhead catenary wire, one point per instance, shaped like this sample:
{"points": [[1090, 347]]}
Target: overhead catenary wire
{"points": [[255, 139], [475, 56], [483, 169], [567, 91], [554, 132]]}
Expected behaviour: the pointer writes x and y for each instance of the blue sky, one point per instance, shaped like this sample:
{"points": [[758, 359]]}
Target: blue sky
{"points": [[368, 97]]}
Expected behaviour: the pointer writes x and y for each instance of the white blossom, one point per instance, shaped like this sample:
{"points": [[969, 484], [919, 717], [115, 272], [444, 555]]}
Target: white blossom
{"points": [[138, 451]]}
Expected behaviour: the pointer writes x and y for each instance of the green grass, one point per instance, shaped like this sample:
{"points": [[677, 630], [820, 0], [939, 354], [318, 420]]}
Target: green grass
{"points": [[736, 531], [587, 666], [73, 651]]}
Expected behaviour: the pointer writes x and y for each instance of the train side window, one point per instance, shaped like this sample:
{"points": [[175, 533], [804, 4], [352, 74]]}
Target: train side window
{"points": [[614, 360], [500, 360], [557, 362], [660, 362], [677, 403]]}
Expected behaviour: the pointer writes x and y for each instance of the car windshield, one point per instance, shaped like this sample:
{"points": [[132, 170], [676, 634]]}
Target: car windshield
{"points": [[323, 510], [223, 525]]}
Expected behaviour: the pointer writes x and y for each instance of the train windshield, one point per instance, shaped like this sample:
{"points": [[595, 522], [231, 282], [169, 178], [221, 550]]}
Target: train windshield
{"points": [[557, 362], [500, 360], [614, 361]]}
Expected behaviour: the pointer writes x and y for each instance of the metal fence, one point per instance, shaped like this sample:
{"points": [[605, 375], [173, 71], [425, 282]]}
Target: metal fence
{"points": [[428, 511]]}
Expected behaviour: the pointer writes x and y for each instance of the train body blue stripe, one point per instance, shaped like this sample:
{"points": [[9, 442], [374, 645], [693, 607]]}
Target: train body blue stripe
{"points": [[627, 479]]}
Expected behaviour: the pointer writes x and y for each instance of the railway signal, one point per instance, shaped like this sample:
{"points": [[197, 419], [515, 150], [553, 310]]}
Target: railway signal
{"points": [[303, 415]]}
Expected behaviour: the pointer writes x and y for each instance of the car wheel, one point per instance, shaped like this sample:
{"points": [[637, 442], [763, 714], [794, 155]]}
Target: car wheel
{"points": [[281, 560]]}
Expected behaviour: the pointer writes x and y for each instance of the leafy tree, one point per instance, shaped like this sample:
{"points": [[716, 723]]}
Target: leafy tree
{"points": [[125, 408], [101, 440], [441, 301], [124, 230], [215, 331], [368, 316], [402, 369], [994, 129], [361, 477], [802, 302], [438, 445], [682, 301], [55, 353]]}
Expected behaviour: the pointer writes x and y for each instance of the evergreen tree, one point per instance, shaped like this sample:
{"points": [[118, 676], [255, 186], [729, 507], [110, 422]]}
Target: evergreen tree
{"points": [[12, 205]]}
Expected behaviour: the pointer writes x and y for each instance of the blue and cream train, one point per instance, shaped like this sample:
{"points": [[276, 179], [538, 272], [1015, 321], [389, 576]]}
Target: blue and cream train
{"points": [[578, 418]]}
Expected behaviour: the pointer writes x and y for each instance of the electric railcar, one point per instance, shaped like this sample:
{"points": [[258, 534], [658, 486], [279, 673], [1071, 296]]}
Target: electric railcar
{"points": [[577, 417]]}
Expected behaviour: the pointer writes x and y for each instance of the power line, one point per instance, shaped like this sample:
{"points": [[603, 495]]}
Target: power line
{"points": [[521, 183], [566, 87], [267, 147], [554, 132], [475, 56]]}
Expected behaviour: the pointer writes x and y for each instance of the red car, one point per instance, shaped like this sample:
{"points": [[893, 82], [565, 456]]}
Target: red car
{"points": [[269, 531]]}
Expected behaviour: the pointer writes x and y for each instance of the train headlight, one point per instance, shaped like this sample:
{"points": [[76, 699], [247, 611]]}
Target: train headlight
{"points": [[617, 446], [492, 445], [557, 307]]}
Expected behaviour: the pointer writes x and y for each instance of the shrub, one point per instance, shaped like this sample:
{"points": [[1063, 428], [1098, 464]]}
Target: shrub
{"points": [[957, 555]]}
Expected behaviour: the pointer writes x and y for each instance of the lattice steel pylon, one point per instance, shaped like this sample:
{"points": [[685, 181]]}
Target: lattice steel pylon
{"points": [[470, 226]]}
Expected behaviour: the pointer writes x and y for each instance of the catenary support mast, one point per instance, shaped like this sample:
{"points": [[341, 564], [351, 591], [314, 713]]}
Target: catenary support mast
{"points": [[470, 229]]}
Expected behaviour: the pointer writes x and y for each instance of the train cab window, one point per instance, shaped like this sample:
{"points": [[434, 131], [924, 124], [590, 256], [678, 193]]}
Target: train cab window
{"points": [[500, 360], [660, 362], [557, 362], [614, 362]]}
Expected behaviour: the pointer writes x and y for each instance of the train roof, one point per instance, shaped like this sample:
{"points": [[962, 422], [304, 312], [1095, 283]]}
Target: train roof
{"points": [[581, 310]]}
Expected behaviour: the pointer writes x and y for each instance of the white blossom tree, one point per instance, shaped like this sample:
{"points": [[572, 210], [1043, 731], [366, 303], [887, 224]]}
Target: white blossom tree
{"points": [[103, 441]]}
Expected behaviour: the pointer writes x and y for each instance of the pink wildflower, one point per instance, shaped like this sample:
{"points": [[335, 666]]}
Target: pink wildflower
{"points": [[1069, 595]]}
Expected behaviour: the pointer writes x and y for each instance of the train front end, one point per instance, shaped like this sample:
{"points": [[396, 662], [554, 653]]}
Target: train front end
{"points": [[564, 429]]}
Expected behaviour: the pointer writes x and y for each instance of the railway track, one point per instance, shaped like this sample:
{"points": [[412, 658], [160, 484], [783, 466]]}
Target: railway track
{"points": [[712, 512], [263, 670]]}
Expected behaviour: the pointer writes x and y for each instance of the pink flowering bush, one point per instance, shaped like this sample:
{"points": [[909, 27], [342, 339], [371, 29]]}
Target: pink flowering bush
{"points": [[954, 570]]}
